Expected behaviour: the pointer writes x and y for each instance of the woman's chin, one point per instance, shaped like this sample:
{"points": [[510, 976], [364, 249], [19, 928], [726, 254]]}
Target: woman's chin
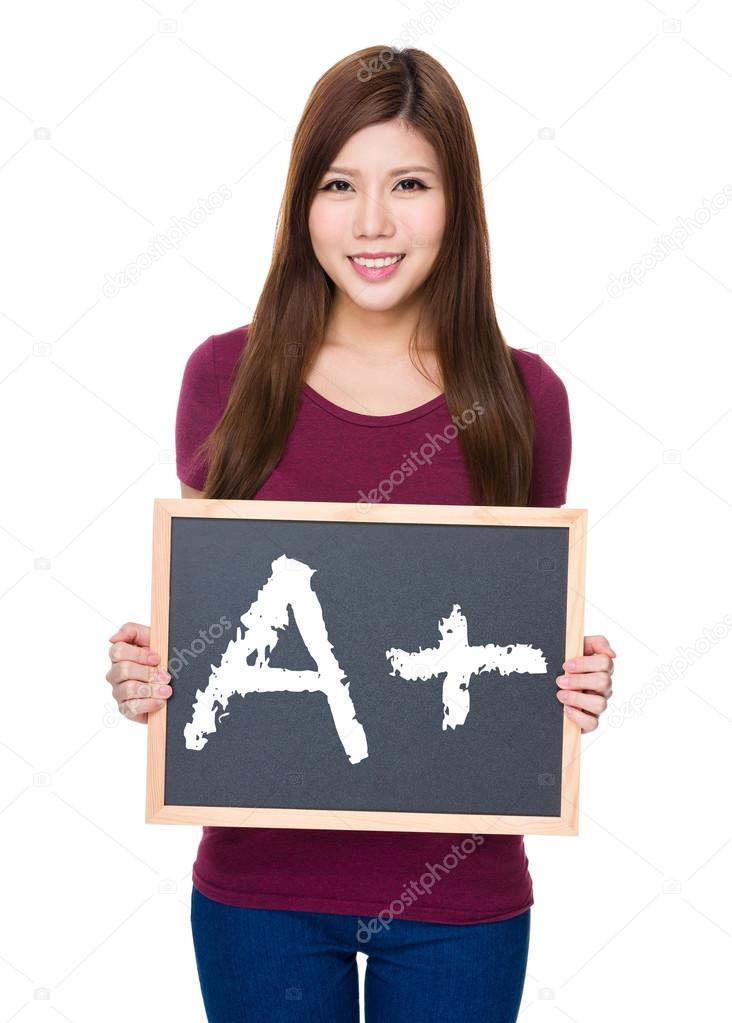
{"points": [[376, 299]]}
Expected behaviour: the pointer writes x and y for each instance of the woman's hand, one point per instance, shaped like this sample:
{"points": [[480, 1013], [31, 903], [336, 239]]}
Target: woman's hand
{"points": [[137, 685], [587, 686]]}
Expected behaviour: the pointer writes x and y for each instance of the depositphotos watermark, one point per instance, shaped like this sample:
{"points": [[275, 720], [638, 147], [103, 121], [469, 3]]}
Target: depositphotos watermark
{"points": [[666, 244], [416, 459], [415, 889], [423, 24], [164, 242], [686, 657], [181, 658]]}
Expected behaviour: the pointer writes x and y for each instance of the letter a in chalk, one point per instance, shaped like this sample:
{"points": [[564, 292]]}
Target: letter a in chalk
{"points": [[287, 586], [458, 661]]}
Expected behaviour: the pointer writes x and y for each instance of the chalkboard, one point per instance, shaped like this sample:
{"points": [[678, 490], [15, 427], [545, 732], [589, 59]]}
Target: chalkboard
{"points": [[377, 667]]}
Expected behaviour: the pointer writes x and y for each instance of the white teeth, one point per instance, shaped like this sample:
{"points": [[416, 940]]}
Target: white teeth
{"points": [[373, 263]]}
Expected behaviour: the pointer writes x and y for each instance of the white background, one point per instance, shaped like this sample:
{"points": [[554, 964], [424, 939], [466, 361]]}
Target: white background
{"points": [[602, 128]]}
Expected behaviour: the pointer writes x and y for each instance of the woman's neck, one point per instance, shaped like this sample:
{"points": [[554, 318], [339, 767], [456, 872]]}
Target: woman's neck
{"points": [[380, 334]]}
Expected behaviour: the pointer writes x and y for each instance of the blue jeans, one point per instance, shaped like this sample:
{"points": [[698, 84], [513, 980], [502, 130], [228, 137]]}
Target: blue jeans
{"points": [[272, 966]]}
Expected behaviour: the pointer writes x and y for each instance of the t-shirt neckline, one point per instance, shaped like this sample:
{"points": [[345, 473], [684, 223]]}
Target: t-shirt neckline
{"points": [[369, 420]]}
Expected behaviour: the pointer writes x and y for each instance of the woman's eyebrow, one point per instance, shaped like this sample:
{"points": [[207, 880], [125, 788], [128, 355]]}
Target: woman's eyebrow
{"points": [[397, 170]]}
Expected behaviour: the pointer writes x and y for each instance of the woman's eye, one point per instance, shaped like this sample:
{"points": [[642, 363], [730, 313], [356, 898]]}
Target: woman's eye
{"points": [[414, 181], [329, 188]]}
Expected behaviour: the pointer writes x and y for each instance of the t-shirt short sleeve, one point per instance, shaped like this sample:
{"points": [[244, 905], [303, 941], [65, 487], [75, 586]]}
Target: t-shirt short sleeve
{"points": [[199, 409], [553, 439]]}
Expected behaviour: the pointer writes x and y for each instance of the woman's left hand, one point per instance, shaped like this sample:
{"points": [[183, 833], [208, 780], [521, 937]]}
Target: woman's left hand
{"points": [[587, 685]]}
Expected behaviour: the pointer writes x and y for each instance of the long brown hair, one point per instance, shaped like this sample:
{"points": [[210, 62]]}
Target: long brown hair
{"points": [[368, 87]]}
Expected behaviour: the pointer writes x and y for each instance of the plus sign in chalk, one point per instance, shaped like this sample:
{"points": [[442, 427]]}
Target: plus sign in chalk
{"points": [[458, 661]]}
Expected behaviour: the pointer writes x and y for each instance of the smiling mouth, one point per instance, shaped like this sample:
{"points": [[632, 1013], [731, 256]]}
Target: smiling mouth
{"points": [[363, 261], [384, 272]]}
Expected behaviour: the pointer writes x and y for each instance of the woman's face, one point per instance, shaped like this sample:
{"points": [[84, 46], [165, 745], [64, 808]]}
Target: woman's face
{"points": [[382, 195]]}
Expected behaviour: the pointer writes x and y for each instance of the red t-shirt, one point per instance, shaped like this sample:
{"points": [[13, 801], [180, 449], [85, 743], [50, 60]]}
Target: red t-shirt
{"points": [[329, 454]]}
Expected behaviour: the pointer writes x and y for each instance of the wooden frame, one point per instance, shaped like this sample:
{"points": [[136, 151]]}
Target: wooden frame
{"points": [[575, 520]]}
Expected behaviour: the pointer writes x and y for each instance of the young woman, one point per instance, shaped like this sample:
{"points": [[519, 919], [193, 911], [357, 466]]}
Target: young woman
{"points": [[381, 255]]}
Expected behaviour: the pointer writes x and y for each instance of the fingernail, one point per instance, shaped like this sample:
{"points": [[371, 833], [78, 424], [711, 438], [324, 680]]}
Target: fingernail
{"points": [[563, 680], [569, 665], [164, 690], [152, 658], [162, 676]]}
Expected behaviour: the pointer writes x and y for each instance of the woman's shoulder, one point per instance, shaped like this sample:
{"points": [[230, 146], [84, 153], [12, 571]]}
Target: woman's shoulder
{"points": [[542, 382], [207, 378], [553, 435], [228, 347], [212, 364]]}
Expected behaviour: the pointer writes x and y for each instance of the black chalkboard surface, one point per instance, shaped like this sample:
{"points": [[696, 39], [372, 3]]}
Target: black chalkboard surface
{"points": [[382, 667]]}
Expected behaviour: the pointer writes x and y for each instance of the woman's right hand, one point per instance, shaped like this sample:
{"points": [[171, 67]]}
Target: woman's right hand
{"points": [[134, 677]]}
